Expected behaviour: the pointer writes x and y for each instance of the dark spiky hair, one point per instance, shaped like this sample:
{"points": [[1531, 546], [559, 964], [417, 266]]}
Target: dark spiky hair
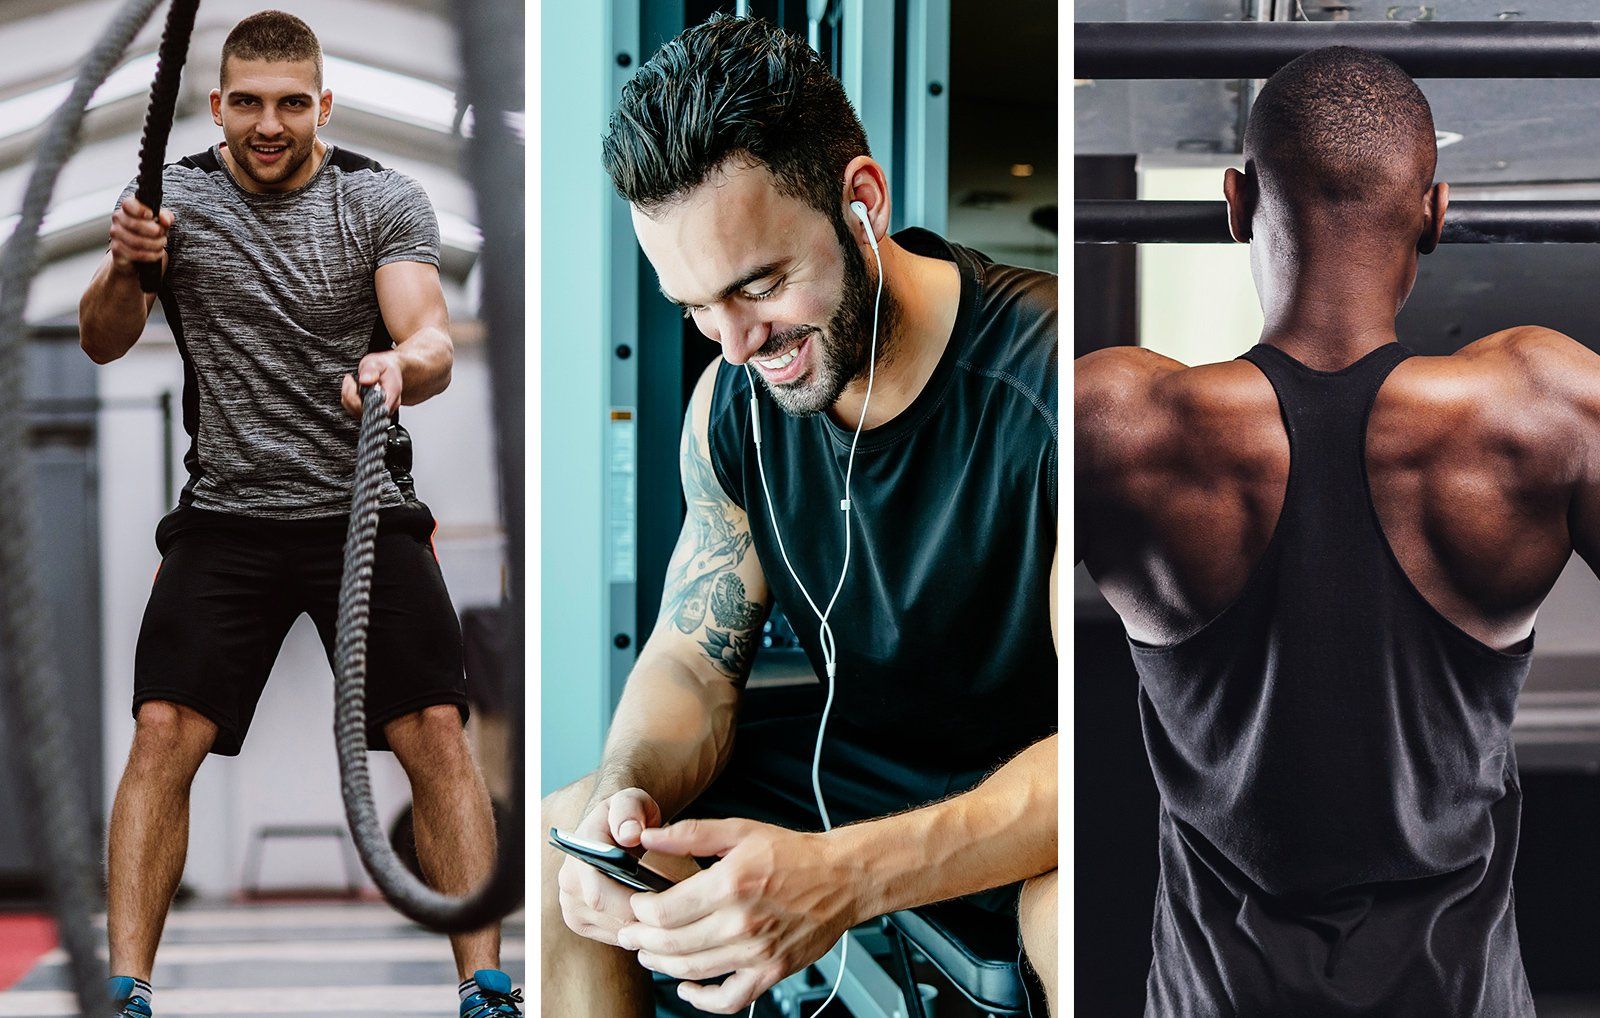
{"points": [[733, 87], [272, 35], [1341, 126]]}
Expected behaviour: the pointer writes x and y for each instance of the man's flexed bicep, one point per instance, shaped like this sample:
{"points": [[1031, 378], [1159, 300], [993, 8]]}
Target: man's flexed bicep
{"points": [[411, 301], [715, 598]]}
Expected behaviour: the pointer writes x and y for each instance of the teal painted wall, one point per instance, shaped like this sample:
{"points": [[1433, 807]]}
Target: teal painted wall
{"points": [[576, 82]]}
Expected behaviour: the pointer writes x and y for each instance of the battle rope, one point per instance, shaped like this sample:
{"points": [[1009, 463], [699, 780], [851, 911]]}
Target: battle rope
{"points": [[158, 119], [493, 80], [61, 822], [405, 892], [492, 84], [494, 161]]}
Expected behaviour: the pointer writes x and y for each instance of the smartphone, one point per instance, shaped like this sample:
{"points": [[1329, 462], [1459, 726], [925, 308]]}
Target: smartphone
{"points": [[610, 860]]}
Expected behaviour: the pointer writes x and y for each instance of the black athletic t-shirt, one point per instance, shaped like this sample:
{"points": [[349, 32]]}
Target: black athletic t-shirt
{"points": [[1339, 794], [943, 628]]}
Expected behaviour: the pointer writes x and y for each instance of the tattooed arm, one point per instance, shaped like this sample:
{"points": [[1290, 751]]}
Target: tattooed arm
{"points": [[673, 728]]}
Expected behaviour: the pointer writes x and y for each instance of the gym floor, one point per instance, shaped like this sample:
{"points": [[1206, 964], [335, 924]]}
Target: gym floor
{"points": [[359, 960]]}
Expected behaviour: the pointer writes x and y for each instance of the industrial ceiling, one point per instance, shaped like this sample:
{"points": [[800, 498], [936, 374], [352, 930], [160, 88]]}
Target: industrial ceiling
{"points": [[1510, 131]]}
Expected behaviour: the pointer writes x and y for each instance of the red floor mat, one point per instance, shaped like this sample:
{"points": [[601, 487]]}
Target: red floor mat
{"points": [[23, 939]]}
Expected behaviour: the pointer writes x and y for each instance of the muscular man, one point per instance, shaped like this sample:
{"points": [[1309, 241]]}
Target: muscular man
{"points": [[292, 270], [740, 156], [1328, 555]]}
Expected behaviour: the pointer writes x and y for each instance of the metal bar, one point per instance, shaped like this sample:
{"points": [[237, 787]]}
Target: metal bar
{"points": [[1425, 49], [1206, 222], [80, 404], [866, 988], [167, 496], [908, 971]]}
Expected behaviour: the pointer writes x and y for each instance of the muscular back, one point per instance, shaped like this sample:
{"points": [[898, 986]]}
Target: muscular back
{"points": [[1484, 468]]}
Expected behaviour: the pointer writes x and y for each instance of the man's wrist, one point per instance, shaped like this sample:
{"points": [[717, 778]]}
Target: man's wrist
{"points": [[856, 855], [907, 859], [609, 784]]}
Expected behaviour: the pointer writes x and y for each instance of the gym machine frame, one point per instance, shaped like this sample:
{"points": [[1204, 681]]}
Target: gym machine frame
{"points": [[1257, 49]]}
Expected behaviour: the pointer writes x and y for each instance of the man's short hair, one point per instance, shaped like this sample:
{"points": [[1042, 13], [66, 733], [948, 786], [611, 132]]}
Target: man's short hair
{"points": [[1342, 126], [272, 35], [727, 87]]}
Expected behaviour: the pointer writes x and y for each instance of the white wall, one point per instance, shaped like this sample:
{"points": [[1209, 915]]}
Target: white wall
{"points": [[1569, 622], [1197, 302], [288, 772]]}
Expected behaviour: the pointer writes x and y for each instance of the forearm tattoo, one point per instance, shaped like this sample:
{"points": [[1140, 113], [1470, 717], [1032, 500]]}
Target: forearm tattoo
{"points": [[701, 578]]}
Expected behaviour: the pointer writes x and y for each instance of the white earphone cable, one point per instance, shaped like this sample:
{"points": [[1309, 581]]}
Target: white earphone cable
{"points": [[825, 632]]}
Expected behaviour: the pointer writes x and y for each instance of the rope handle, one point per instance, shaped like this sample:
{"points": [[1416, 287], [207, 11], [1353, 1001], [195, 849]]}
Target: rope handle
{"points": [[158, 119]]}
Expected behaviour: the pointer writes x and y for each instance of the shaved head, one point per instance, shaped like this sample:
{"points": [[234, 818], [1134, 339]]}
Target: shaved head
{"points": [[1342, 133]]}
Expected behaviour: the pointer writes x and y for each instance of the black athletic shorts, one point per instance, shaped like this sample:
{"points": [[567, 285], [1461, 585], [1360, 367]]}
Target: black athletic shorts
{"points": [[768, 779], [229, 587]]}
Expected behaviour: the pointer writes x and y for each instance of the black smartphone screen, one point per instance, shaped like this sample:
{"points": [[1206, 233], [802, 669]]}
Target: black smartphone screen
{"points": [[610, 860]]}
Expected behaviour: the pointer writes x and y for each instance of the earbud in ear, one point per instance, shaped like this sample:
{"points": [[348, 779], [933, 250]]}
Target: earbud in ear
{"points": [[860, 209]]}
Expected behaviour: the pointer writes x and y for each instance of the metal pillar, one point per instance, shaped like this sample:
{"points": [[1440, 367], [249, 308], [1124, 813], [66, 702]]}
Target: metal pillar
{"points": [[925, 197], [867, 72], [621, 464]]}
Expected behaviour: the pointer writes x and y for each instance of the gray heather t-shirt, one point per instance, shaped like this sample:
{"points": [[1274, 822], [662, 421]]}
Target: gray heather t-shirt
{"points": [[272, 300]]}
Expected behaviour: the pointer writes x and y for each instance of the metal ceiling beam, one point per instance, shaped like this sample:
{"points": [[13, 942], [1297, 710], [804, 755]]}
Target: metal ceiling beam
{"points": [[1252, 49], [1206, 222]]}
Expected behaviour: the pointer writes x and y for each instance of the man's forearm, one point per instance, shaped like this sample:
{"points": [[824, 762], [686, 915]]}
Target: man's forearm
{"points": [[1002, 831], [671, 734], [112, 313], [426, 359]]}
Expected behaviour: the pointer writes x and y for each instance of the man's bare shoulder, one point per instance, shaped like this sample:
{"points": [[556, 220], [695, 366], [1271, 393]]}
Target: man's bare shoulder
{"points": [[1527, 354], [1136, 402], [1127, 376], [1523, 372], [1524, 400]]}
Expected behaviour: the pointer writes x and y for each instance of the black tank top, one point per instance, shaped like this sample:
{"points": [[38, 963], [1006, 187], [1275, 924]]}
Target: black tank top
{"points": [[1339, 797], [943, 629]]}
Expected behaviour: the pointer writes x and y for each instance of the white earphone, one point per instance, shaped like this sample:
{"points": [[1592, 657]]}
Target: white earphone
{"points": [[860, 209], [829, 657]]}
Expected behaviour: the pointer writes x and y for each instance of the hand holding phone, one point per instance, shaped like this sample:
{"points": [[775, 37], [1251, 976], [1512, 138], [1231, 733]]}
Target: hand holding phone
{"points": [[610, 860]]}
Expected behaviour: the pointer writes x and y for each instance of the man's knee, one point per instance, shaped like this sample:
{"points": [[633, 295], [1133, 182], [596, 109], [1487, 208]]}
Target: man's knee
{"points": [[439, 724], [430, 730], [562, 808], [168, 735], [1037, 917]]}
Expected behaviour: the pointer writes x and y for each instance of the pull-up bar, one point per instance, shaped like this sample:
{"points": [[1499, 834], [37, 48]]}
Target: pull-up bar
{"points": [[1257, 49], [1467, 222]]}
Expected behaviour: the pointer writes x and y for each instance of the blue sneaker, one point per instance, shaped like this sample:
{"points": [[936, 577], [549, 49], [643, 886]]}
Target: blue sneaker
{"points": [[129, 1003], [495, 997]]}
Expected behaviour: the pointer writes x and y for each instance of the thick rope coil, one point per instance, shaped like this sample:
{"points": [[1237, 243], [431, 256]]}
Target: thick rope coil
{"points": [[493, 78], [410, 896], [158, 119], [63, 827], [491, 61]]}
